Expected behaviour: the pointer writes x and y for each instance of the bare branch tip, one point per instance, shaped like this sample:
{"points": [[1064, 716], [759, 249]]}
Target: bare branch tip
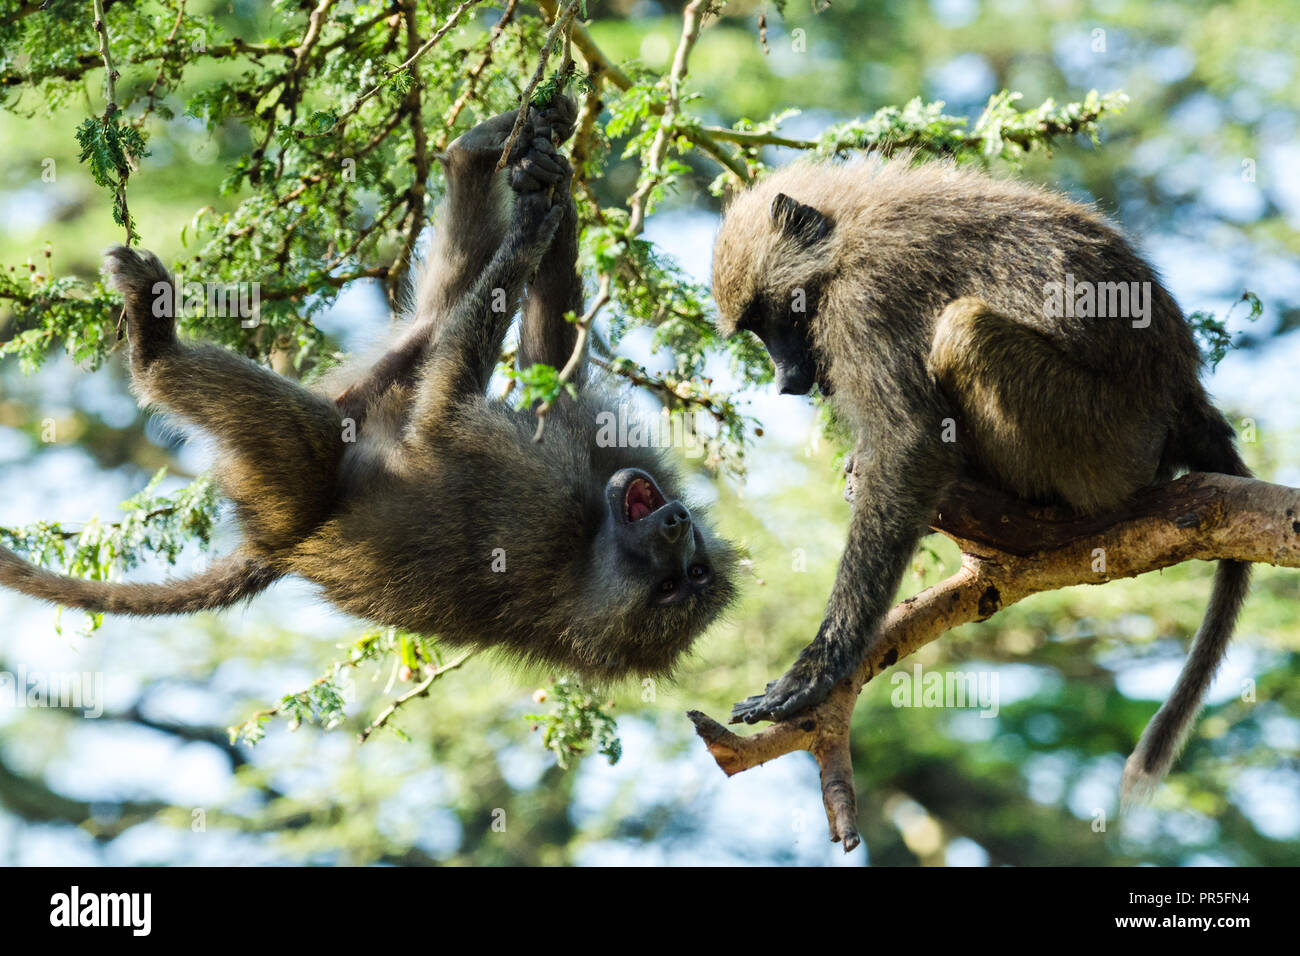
{"points": [[708, 729]]}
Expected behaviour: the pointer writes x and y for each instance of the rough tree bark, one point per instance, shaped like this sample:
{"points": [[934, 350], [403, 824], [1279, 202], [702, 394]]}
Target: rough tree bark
{"points": [[1011, 550]]}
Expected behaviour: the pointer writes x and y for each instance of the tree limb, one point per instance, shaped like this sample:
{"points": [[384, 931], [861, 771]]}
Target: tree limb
{"points": [[1011, 550], [599, 61]]}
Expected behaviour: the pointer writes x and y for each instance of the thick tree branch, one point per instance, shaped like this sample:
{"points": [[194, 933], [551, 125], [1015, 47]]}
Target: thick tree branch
{"points": [[1011, 550]]}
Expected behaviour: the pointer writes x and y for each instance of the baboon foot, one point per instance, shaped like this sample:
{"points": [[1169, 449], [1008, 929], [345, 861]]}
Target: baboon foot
{"points": [[149, 298]]}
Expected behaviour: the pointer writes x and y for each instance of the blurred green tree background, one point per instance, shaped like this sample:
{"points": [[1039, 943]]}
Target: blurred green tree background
{"points": [[283, 143]]}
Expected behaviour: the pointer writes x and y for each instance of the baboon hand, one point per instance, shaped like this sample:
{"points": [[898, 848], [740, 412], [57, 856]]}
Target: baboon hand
{"points": [[485, 141], [539, 208], [558, 120], [805, 685], [541, 167]]}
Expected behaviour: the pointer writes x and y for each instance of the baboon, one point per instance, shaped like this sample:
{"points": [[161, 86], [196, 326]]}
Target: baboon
{"points": [[443, 517], [963, 326]]}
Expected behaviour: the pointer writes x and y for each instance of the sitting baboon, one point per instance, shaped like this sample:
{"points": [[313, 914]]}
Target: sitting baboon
{"points": [[443, 517], [966, 326]]}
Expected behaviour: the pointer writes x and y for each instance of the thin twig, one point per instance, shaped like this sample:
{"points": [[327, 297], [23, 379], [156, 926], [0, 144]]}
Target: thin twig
{"points": [[315, 24], [418, 194], [597, 59], [692, 21], [745, 137], [579, 351], [473, 74], [970, 140], [690, 32], [110, 72], [639, 376], [110, 111], [419, 690], [561, 22], [152, 94], [452, 20], [67, 535], [585, 135]]}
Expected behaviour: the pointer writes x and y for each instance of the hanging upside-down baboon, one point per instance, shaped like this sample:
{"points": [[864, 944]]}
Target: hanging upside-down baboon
{"points": [[443, 517], [965, 326]]}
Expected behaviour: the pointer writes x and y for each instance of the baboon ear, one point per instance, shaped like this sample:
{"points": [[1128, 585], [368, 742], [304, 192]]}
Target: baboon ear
{"points": [[804, 224]]}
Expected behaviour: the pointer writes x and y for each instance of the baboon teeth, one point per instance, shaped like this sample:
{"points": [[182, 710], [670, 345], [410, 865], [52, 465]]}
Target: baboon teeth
{"points": [[642, 499]]}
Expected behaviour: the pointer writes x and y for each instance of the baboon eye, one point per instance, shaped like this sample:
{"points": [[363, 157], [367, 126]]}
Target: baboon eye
{"points": [[697, 571]]}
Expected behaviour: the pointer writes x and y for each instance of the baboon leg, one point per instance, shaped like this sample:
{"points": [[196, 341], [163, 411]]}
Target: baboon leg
{"points": [[278, 445], [1005, 379]]}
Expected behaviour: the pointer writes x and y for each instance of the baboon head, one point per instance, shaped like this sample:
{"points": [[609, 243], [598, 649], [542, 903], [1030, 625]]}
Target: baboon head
{"points": [[610, 570], [659, 563], [653, 572], [772, 260], [658, 576]]}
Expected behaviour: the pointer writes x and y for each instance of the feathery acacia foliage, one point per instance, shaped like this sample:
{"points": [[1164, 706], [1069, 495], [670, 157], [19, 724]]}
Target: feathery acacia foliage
{"points": [[328, 125]]}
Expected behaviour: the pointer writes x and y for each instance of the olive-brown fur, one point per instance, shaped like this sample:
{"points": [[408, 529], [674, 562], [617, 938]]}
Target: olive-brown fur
{"points": [[415, 499], [919, 297]]}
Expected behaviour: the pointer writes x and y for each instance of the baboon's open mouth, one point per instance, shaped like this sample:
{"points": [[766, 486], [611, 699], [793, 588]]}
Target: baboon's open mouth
{"points": [[632, 495], [642, 499]]}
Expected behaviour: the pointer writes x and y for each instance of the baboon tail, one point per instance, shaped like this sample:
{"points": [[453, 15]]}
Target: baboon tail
{"points": [[1206, 444], [1165, 735], [233, 579]]}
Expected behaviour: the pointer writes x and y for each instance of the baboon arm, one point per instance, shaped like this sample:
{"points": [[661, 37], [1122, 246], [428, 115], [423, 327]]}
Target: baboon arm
{"points": [[544, 335], [471, 219], [896, 487], [469, 346], [468, 228], [892, 505], [898, 481]]}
